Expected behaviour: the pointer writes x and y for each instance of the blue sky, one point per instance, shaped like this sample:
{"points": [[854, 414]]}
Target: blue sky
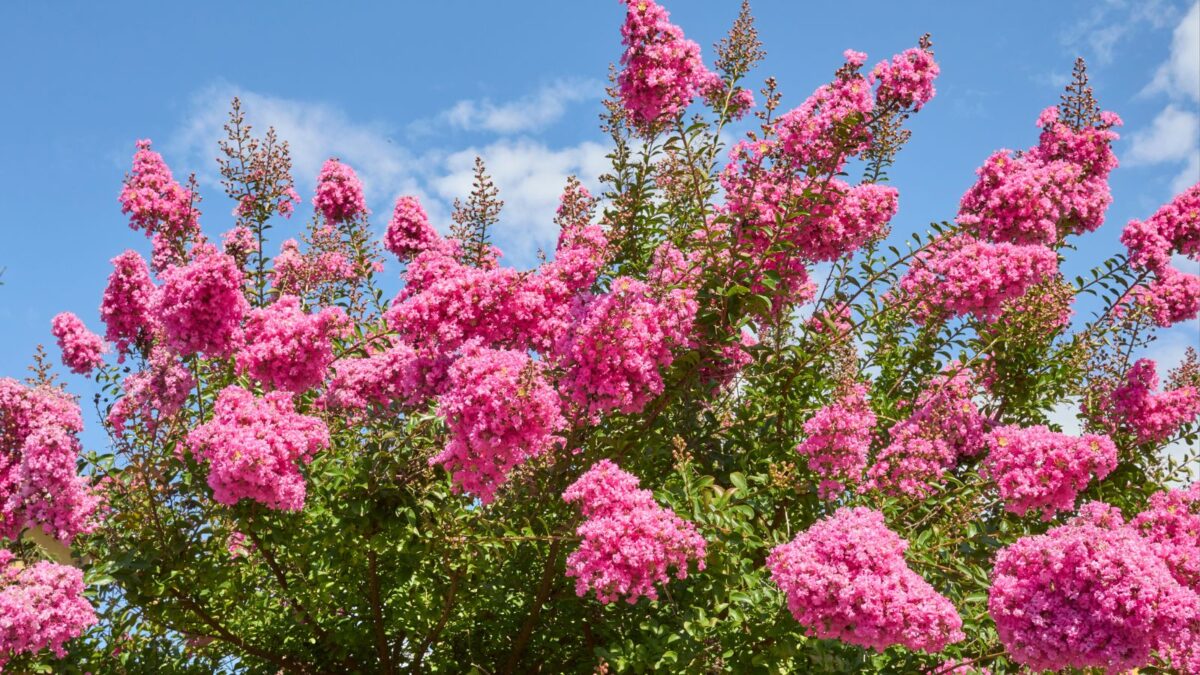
{"points": [[409, 93]]}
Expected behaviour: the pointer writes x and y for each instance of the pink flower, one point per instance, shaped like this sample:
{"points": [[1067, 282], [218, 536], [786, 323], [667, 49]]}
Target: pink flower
{"points": [[1152, 416], [629, 543], [838, 440], [1173, 227], [41, 607], [962, 275], [829, 126], [548, 296], [409, 233], [295, 272], [238, 546], [239, 242], [154, 201], [1036, 468], [944, 425], [1171, 523], [501, 412], [617, 345], [1057, 188], [1089, 594], [661, 69], [200, 306], [906, 80], [153, 395], [452, 303], [845, 578], [125, 308], [82, 350], [252, 446], [339, 194], [1172, 297], [396, 374], [287, 348], [39, 482]]}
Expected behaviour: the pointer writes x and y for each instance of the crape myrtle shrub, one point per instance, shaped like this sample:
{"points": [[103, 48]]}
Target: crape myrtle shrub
{"points": [[726, 426]]}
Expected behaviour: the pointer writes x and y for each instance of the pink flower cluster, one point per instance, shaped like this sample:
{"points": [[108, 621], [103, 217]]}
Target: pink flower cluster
{"points": [[963, 275], [409, 233], [39, 482], [339, 194], [200, 306], [629, 542], [1036, 468], [944, 425], [618, 344], [396, 374], [1057, 188], [838, 440], [287, 348], [662, 70], [296, 272], [154, 201], [1171, 523], [790, 208], [41, 607], [153, 395], [239, 242], [1174, 227], [907, 80], [1088, 594], [82, 350], [830, 126], [1152, 416], [501, 412], [445, 303], [1172, 297], [845, 578], [126, 305], [252, 446]]}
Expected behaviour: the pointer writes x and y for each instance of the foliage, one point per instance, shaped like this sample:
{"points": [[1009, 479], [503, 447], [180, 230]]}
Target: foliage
{"points": [[380, 487]]}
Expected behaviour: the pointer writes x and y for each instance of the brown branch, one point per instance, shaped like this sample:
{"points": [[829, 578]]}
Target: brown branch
{"points": [[381, 646], [543, 592], [282, 661], [293, 599], [441, 623]]}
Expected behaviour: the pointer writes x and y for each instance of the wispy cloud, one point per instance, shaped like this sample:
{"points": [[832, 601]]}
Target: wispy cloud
{"points": [[529, 172], [528, 113], [1108, 24], [1173, 138], [1179, 76], [531, 176]]}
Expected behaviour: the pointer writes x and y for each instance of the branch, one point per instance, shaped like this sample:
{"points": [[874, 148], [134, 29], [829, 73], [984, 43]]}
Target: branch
{"points": [[381, 646], [543, 592], [284, 662], [294, 599], [441, 623]]}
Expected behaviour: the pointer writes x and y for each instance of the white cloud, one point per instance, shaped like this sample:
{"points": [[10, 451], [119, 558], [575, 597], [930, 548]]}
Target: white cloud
{"points": [[1172, 137], [1190, 174], [529, 173], [528, 113], [530, 176], [1179, 76], [1112, 22], [314, 132]]}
